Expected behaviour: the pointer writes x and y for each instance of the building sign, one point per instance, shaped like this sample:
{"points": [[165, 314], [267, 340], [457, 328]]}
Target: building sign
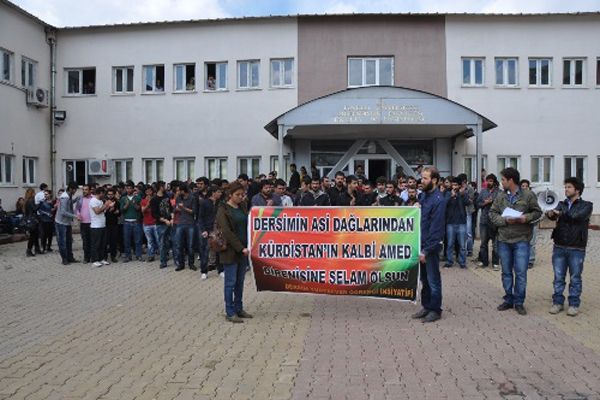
{"points": [[360, 251], [381, 112]]}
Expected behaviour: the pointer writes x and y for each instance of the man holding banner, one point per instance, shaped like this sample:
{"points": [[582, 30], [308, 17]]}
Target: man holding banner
{"points": [[433, 208]]}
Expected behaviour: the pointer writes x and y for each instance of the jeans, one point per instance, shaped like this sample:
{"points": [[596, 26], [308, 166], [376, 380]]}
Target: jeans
{"points": [[456, 233], [64, 239], [98, 244], [112, 240], [488, 234], [564, 259], [86, 239], [469, 233], [514, 257], [132, 229], [532, 244], [234, 287], [162, 232], [152, 238], [184, 232], [46, 230], [431, 291]]}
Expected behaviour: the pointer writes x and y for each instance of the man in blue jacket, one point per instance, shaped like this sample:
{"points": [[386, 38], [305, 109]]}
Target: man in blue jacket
{"points": [[433, 210]]}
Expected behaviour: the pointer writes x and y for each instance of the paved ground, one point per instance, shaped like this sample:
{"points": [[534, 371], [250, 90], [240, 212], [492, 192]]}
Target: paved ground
{"points": [[132, 331]]}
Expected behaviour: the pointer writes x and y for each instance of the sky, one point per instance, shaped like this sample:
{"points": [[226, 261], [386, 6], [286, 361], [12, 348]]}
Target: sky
{"points": [[97, 12]]}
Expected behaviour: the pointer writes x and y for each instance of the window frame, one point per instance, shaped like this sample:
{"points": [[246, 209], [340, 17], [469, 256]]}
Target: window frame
{"points": [[364, 61], [248, 160], [217, 76], [598, 171], [123, 163], [248, 74], [540, 170], [25, 72], [29, 177], [507, 157], [538, 72], [75, 161], [281, 63], [477, 174], [218, 167], [80, 70], [274, 166], [598, 72], [472, 74], [154, 163], [573, 166], [124, 74], [572, 72], [3, 170], [11, 67], [144, 75], [506, 72], [184, 65], [188, 174]]}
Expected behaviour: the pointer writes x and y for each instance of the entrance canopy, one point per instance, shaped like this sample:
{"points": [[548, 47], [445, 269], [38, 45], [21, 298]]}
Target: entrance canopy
{"points": [[379, 113]]}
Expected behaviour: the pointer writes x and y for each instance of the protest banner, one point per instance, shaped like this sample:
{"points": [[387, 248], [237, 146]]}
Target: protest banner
{"points": [[361, 251]]}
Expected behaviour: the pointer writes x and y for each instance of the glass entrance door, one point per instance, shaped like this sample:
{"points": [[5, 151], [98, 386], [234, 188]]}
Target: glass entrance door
{"points": [[373, 166]]}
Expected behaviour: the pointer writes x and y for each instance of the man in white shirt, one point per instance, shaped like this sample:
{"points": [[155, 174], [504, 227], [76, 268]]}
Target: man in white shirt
{"points": [[280, 188], [98, 227], [41, 195]]}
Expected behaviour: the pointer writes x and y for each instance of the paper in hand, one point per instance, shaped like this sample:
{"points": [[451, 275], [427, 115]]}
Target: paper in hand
{"points": [[511, 213]]}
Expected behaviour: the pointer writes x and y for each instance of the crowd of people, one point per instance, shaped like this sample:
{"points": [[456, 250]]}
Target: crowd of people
{"points": [[205, 223]]}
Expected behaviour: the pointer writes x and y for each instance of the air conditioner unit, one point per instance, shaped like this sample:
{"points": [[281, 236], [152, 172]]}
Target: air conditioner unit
{"points": [[37, 97], [98, 167]]}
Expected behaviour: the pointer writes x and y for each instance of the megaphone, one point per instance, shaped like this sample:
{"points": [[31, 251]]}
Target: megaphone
{"points": [[547, 199]]}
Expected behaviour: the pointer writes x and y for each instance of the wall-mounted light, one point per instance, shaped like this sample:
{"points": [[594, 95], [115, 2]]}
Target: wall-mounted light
{"points": [[60, 116]]}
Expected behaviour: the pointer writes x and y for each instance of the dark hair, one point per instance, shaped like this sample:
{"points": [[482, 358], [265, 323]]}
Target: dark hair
{"points": [[462, 177], [511, 173], [458, 180], [203, 179], [315, 178], [184, 188], [293, 165], [234, 187], [307, 179], [151, 187], [493, 177], [159, 185], [110, 190], [381, 180], [99, 190], [129, 184], [72, 185], [577, 183], [43, 186], [340, 173], [367, 182], [212, 189], [390, 182], [434, 172], [280, 182], [524, 181], [263, 183], [351, 178], [411, 177], [243, 177]]}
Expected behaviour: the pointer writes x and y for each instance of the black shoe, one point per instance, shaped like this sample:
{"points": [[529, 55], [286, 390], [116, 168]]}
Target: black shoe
{"points": [[65, 262], [163, 266], [463, 266], [150, 259], [114, 259], [72, 260], [504, 307], [520, 309], [244, 314], [49, 250], [179, 268], [29, 253], [193, 268], [530, 265], [421, 314], [39, 251], [126, 259], [235, 319], [432, 317], [447, 265]]}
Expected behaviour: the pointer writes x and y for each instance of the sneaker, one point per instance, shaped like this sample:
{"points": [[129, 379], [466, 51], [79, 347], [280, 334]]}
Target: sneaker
{"points": [[73, 260], [572, 311], [65, 262], [556, 308], [432, 316], [104, 262], [150, 259], [244, 314], [520, 309], [49, 250], [447, 265], [203, 277], [222, 274], [140, 259], [163, 266], [504, 306], [193, 267], [496, 267], [113, 259], [179, 268], [530, 265], [421, 314], [235, 319], [126, 259], [481, 265], [97, 264]]}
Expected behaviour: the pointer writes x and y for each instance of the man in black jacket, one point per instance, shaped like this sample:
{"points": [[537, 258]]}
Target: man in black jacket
{"points": [[338, 189], [294, 184], [390, 198], [314, 196], [570, 240]]}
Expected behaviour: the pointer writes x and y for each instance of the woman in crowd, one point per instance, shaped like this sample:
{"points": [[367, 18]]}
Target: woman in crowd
{"points": [[32, 223]]}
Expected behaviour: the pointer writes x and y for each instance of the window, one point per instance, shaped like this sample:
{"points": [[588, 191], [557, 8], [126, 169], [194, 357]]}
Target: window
{"points": [[7, 168], [282, 72], [154, 78], [540, 72], [506, 72], [153, 169], [248, 74], [184, 77], [541, 169], [75, 171], [122, 79], [216, 76], [28, 72], [598, 170], [216, 167], [573, 71], [123, 170], [274, 166], [469, 166], [370, 71], [81, 81], [472, 71], [249, 166], [29, 170], [508, 161], [6, 60], [598, 71], [184, 168], [575, 166]]}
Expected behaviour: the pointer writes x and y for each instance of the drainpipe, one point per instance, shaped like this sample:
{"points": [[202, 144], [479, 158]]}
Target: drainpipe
{"points": [[51, 40]]}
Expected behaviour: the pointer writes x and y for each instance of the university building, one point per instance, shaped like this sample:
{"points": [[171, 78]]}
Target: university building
{"points": [[215, 98]]}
